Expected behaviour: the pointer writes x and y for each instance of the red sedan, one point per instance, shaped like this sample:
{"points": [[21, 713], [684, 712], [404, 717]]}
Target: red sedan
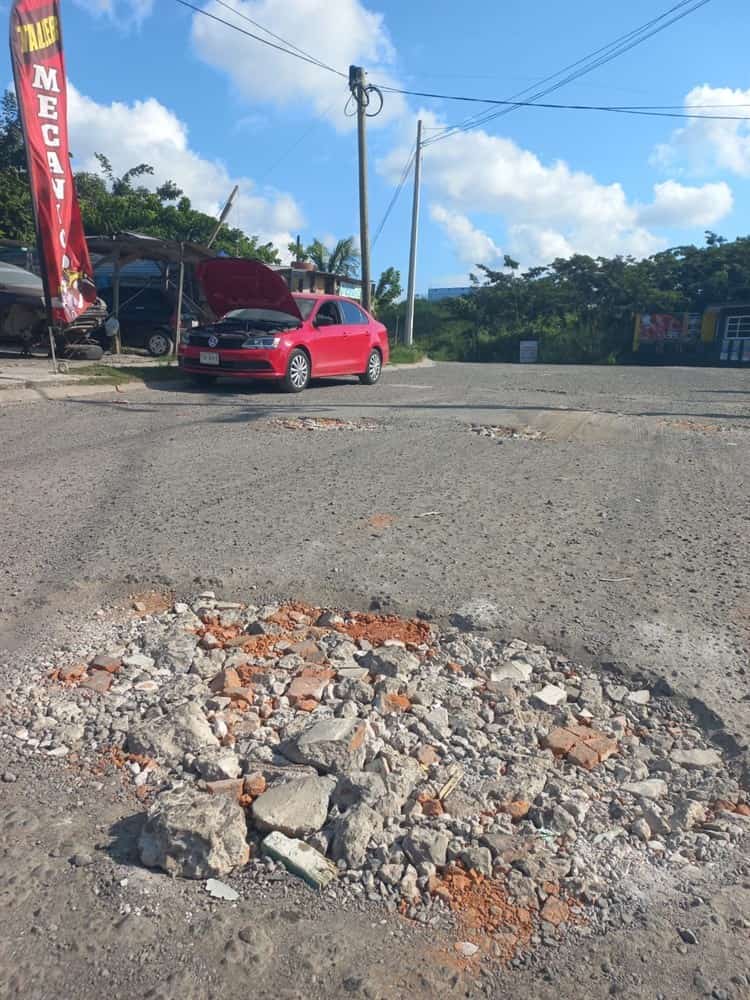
{"points": [[266, 332]]}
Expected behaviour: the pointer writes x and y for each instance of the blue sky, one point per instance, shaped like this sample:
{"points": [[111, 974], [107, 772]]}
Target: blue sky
{"points": [[155, 82]]}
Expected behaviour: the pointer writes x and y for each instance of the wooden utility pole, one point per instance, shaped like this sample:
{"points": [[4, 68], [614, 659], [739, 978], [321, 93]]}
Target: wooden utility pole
{"points": [[358, 85], [414, 232]]}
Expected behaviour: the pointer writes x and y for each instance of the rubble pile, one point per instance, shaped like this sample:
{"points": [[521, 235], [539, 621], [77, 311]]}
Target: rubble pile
{"points": [[501, 432], [325, 424], [440, 773]]}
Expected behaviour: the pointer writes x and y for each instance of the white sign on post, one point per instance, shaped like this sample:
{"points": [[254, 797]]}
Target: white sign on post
{"points": [[528, 352]]}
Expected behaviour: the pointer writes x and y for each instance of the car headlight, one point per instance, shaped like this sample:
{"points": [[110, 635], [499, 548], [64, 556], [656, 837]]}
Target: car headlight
{"points": [[267, 343]]}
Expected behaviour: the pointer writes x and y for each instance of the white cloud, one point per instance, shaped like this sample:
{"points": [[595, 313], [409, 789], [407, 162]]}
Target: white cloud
{"points": [[125, 13], [710, 146], [148, 132], [547, 209], [340, 34], [471, 245], [677, 205]]}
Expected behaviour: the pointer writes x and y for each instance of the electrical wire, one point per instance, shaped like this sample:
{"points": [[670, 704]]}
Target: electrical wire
{"points": [[280, 48], [657, 110], [396, 193], [284, 41], [582, 66]]}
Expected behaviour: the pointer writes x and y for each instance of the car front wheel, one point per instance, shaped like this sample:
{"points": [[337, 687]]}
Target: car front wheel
{"points": [[158, 344], [374, 368], [297, 375]]}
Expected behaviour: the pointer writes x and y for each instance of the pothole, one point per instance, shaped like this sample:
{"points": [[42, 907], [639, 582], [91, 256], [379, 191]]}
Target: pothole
{"points": [[504, 432], [324, 424]]}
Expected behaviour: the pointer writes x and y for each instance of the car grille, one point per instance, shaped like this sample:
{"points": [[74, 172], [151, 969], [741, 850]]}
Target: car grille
{"points": [[233, 366], [229, 341]]}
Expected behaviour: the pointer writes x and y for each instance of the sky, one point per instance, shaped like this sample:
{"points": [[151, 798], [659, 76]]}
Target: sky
{"points": [[151, 81]]}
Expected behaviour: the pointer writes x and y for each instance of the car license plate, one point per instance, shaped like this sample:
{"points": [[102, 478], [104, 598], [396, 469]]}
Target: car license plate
{"points": [[209, 357]]}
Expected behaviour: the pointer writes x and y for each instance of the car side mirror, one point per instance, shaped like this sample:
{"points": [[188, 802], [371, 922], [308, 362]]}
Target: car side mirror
{"points": [[324, 321]]}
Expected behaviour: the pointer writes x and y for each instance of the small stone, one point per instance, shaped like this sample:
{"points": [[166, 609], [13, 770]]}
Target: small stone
{"points": [[353, 832], [517, 809], [549, 696], [426, 845], [642, 697], [687, 935], [651, 788], [466, 948], [555, 911], [640, 829], [515, 672], [81, 860], [100, 682], [300, 859], [696, 760], [111, 664], [477, 858], [616, 692], [390, 661], [220, 890], [9, 777], [254, 784], [427, 755]]}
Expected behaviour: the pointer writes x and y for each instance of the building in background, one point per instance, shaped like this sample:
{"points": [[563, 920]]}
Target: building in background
{"points": [[436, 294], [302, 276]]}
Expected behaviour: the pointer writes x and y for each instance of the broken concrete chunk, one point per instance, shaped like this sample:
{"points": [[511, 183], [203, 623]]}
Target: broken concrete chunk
{"points": [[296, 808], [194, 835], [220, 890], [651, 788], [642, 697], [390, 661], [300, 859], [426, 845], [696, 760], [333, 745], [353, 832], [168, 738], [217, 765], [516, 671], [550, 696], [616, 692], [688, 814]]}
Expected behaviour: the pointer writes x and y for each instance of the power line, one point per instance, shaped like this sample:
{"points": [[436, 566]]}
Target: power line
{"points": [[582, 66], [656, 110], [280, 48], [396, 193], [284, 41]]}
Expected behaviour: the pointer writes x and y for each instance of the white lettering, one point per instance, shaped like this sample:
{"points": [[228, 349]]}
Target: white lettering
{"points": [[51, 134], [45, 78], [58, 186], [63, 237], [65, 261], [48, 106], [53, 161]]}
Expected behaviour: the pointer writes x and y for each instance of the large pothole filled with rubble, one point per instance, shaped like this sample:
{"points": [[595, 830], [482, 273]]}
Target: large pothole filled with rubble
{"points": [[495, 790]]}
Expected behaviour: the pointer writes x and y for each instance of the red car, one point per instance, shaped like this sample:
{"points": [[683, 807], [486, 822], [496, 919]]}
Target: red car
{"points": [[266, 332]]}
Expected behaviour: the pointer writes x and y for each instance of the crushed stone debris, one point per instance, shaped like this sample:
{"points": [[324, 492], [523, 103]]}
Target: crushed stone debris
{"points": [[493, 789], [324, 424], [502, 432]]}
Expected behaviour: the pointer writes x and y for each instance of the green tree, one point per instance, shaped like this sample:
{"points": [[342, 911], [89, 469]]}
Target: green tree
{"points": [[343, 259], [387, 290]]}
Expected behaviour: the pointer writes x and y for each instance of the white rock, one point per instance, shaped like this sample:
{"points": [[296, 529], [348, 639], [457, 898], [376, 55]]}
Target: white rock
{"points": [[549, 696], [300, 858], [652, 788], [696, 759], [642, 697], [220, 890]]}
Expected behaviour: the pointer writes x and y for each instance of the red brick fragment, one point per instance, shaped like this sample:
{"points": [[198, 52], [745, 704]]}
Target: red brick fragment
{"points": [[517, 809], [432, 807], [307, 705], [226, 786], [110, 664], [396, 703], [581, 745], [583, 756], [560, 741], [227, 678], [427, 755], [309, 683], [555, 911], [254, 784], [99, 681]]}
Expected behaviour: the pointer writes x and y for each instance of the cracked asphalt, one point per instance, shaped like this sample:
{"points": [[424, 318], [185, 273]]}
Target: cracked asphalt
{"points": [[620, 533]]}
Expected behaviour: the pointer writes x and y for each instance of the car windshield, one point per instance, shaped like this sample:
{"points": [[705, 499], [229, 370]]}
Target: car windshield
{"points": [[305, 306], [271, 319]]}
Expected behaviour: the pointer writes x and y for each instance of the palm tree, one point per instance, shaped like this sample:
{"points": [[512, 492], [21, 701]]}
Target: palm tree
{"points": [[343, 259]]}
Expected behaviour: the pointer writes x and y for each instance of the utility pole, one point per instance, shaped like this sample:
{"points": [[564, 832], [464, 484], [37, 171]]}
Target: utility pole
{"points": [[224, 213], [358, 87], [414, 230]]}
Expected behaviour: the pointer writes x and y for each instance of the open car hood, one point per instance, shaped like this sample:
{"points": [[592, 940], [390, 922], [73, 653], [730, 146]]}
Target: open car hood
{"points": [[234, 283]]}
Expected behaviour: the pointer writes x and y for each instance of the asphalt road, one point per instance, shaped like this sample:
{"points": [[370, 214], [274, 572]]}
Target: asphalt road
{"points": [[620, 533]]}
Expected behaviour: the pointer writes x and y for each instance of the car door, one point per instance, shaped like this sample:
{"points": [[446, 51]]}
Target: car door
{"points": [[326, 346], [357, 327]]}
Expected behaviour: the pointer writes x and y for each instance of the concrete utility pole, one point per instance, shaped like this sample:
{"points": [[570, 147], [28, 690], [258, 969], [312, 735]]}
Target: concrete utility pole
{"points": [[357, 85], [414, 231]]}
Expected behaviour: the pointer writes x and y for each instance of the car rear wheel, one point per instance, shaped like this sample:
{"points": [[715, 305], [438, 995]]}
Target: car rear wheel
{"points": [[297, 375], [158, 344], [374, 368]]}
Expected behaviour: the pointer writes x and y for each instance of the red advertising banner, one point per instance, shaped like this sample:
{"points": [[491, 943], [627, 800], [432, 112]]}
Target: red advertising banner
{"points": [[39, 73]]}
